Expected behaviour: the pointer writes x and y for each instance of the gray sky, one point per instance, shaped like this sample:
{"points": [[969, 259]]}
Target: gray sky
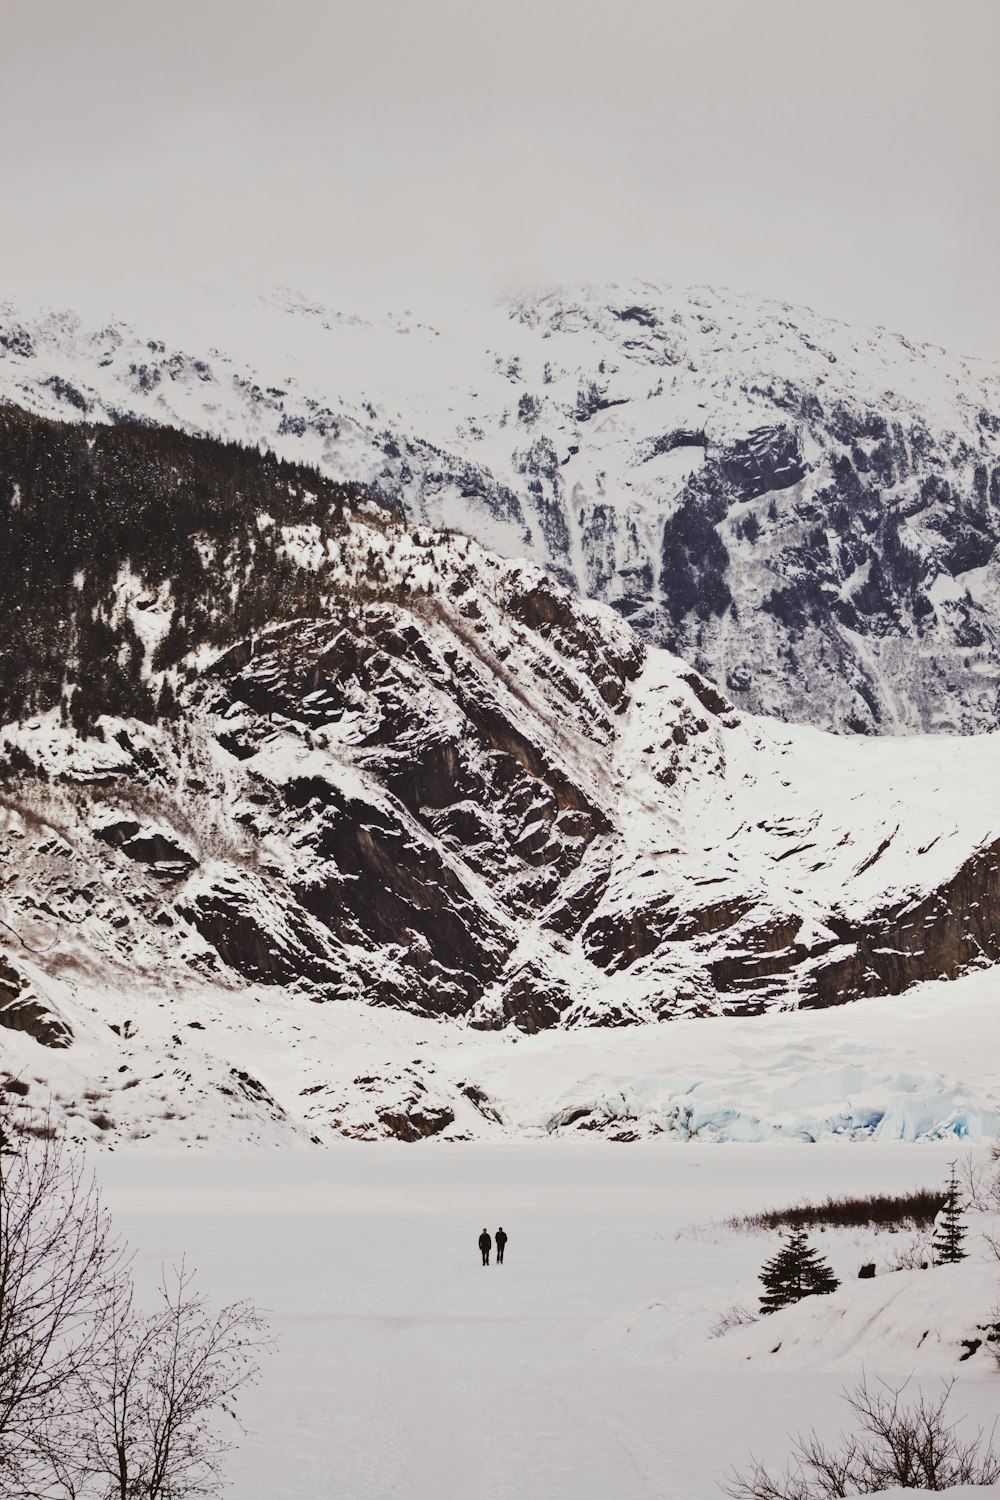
{"points": [[841, 154]]}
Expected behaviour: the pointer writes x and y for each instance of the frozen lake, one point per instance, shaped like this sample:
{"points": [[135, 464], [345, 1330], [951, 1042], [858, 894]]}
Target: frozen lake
{"points": [[406, 1371]]}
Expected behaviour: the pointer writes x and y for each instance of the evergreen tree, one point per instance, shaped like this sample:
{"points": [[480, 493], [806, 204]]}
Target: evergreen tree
{"points": [[166, 704], [949, 1231], [796, 1271]]}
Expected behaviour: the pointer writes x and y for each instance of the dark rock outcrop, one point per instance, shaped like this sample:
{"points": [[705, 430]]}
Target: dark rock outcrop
{"points": [[22, 1009], [940, 935]]}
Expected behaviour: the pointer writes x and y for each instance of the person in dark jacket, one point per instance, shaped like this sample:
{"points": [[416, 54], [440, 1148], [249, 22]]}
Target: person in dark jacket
{"points": [[485, 1245], [501, 1240]]}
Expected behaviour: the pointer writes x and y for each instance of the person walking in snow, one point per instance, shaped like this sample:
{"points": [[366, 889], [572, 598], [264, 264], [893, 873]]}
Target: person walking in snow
{"points": [[501, 1240], [485, 1245]]}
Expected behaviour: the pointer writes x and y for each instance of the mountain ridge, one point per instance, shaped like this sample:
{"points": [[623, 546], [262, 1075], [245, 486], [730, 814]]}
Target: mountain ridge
{"points": [[807, 512], [355, 759]]}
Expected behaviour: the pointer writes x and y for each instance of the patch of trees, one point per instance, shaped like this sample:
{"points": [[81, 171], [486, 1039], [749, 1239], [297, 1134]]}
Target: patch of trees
{"points": [[592, 398], [694, 559], [80, 503]]}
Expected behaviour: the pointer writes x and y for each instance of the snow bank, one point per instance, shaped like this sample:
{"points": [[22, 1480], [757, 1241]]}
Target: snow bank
{"points": [[956, 1492], [896, 1323]]}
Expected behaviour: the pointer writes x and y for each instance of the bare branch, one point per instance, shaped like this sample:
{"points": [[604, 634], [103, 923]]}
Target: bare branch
{"points": [[154, 1428], [910, 1445], [99, 1400]]}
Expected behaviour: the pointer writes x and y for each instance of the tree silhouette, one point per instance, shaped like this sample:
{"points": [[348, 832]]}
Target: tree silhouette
{"points": [[950, 1231], [796, 1271], [100, 1400]]}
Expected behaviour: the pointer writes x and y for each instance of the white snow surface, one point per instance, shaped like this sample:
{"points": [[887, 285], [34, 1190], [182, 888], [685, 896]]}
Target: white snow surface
{"points": [[957, 1492], [204, 1069], [585, 1365], [448, 376]]}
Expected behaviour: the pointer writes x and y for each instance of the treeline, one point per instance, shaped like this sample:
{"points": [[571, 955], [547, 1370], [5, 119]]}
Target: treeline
{"points": [[79, 503]]}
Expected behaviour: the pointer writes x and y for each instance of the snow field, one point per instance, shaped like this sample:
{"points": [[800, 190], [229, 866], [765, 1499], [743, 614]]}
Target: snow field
{"points": [[583, 1367], [919, 1066], [957, 1492]]}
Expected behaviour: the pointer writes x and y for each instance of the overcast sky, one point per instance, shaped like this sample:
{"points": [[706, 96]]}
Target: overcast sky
{"points": [[841, 153]]}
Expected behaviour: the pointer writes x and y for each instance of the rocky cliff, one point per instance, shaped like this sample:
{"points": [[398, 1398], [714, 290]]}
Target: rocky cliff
{"points": [[427, 777], [267, 747]]}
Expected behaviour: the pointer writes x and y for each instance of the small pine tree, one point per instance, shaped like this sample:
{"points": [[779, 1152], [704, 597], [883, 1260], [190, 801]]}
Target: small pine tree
{"points": [[166, 703], [796, 1271], [949, 1231]]}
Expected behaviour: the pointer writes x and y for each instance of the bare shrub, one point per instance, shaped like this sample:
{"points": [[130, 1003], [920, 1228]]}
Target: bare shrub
{"points": [[910, 1445], [993, 1190], [976, 1177], [735, 1316], [993, 1242], [892, 1211], [911, 1255], [98, 1400], [151, 1427]]}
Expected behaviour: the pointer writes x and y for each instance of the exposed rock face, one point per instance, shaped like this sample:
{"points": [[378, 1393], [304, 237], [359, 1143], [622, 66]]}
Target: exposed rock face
{"points": [[441, 785], [451, 788], [940, 934], [404, 1104], [488, 803], [807, 512], [531, 996], [23, 1009], [149, 846]]}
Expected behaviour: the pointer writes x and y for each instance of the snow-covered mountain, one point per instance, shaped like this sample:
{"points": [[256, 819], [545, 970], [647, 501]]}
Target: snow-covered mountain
{"points": [[807, 512], [266, 744]]}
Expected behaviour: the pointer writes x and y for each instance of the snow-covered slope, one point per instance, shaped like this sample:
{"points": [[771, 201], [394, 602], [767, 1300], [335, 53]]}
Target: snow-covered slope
{"points": [[186, 1062], [806, 511], [438, 782]]}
